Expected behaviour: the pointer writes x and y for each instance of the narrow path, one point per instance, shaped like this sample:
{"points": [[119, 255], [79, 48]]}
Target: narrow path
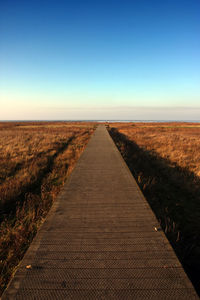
{"points": [[99, 240]]}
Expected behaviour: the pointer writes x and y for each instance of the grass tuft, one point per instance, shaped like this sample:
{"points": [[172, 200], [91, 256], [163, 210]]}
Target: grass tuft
{"points": [[165, 163], [35, 161]]}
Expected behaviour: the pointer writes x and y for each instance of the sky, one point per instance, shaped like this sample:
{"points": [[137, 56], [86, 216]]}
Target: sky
{"points": [[114, 59]]}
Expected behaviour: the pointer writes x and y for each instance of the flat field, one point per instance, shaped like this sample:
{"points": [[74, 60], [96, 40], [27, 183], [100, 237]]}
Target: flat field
{"points": [[178, 142], [35, 160], [164, 158]]}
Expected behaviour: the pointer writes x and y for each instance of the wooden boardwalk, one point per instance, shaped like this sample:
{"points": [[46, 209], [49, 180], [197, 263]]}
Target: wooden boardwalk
{"points": [[99, 240]]}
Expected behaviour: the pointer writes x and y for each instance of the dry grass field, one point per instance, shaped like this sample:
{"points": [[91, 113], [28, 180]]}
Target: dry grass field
{"points": [[35, 161], [177, 142], [165, 160]]}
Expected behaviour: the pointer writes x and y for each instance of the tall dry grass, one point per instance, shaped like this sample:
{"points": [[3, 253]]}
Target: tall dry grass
{"points": [[165, 160], [177, 142], [35, 161]]}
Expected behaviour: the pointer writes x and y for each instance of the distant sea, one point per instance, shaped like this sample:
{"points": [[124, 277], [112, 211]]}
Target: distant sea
{"points": [[150, 121], [102, 121]]}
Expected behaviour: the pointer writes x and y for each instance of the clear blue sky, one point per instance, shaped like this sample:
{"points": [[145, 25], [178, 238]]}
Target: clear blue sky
{"points": [[100, 59]]}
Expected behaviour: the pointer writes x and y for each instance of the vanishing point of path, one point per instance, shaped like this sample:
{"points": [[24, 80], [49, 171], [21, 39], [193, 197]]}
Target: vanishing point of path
{"points": [[101, 240]]}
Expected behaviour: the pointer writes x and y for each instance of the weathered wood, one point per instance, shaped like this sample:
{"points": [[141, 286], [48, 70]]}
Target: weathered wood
{"points": [[99, 240]]}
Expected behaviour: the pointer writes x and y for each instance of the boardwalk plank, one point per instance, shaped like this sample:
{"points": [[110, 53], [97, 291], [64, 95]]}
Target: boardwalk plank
{"points": [[99, 239]]}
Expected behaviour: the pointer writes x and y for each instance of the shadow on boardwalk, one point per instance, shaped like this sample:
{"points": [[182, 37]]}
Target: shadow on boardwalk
{"points": [[174, 195]]}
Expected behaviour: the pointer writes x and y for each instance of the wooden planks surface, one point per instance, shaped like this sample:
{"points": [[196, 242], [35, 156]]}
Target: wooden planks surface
{"points": [[99, 241]]}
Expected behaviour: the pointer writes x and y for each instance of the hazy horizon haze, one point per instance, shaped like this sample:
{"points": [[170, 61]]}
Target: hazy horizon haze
{"points": [[100, 59]]}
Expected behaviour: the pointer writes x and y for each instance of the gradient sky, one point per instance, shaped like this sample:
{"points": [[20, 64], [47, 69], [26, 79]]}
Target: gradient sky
{"points": [[100, 59]]}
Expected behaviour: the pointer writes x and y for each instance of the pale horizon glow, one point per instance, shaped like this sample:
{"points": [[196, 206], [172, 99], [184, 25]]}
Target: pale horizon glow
{"points": [[100, 60], [105, 113]]}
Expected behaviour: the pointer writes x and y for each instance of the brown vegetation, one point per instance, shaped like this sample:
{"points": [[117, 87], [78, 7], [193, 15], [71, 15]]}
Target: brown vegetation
{"points": [[164, 158], [177, 142], [35, 161]]}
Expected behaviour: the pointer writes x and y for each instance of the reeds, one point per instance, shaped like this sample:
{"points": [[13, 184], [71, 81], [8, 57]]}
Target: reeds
{"points": [[35, 161], [164, 159]]}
